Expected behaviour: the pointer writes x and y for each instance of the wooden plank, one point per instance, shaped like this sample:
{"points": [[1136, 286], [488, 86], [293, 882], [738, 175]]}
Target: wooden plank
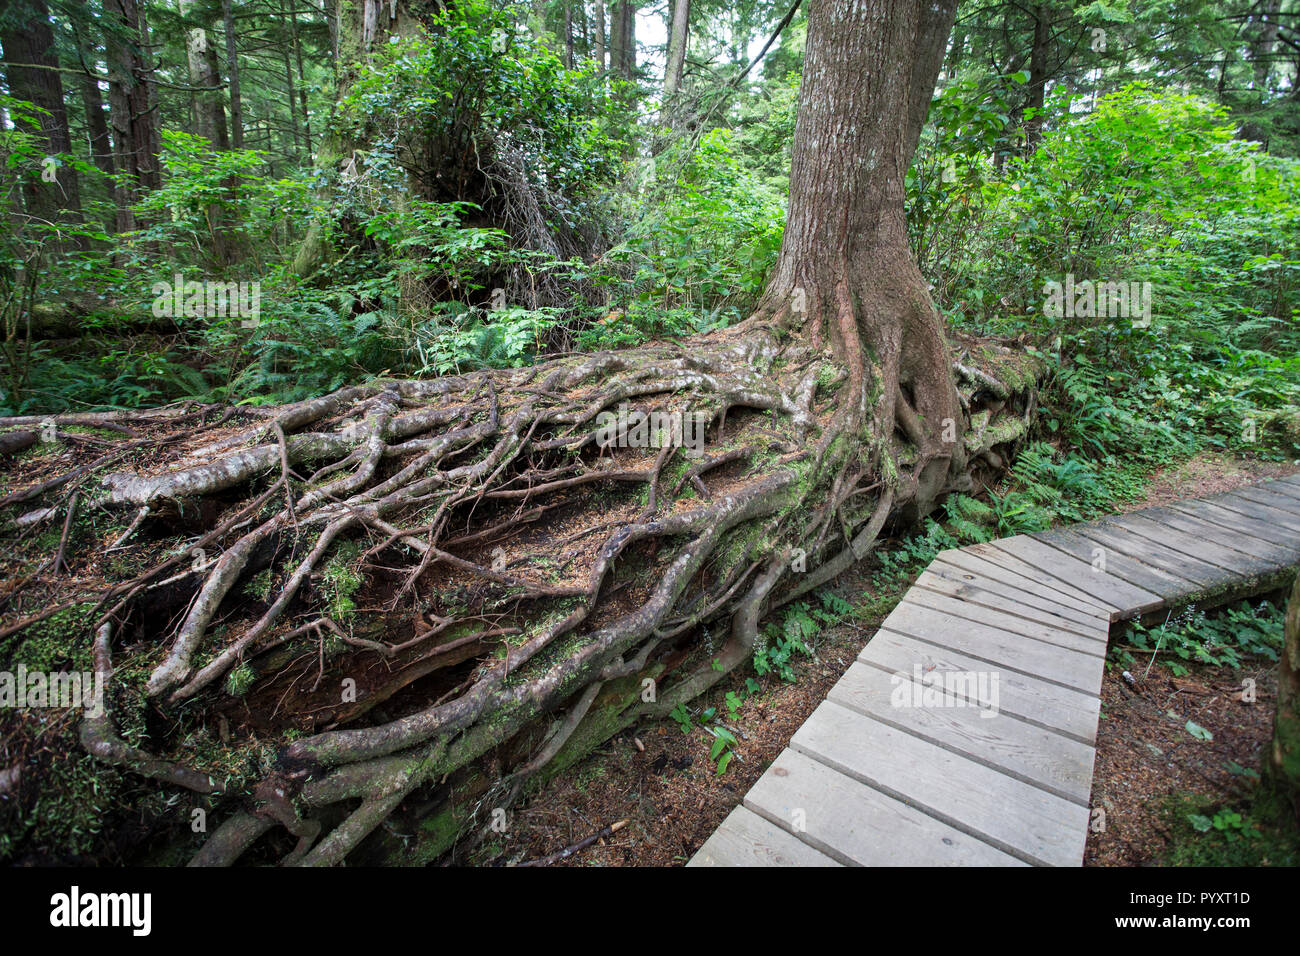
{"points": [[1077, 569], [1020, 819], [977, 728], [1003, 621], [1003, 648], [1238, 539], [1249, 509], [980, 589], [1040, 702], [1261, 528], [1290, 481], [1119, 565], [1006, 573], [1276, 497], [1249, 504], [746, 839], [1196, 544], [858, 825], [996, 557], [1118, 540], [1237, 522]]}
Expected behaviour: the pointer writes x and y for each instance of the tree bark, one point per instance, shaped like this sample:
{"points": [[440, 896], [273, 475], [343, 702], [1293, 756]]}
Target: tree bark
{"points": [[232, 72], [209, 108], [1037, 78], [32, 74], [677, 40], [135, 131], [622, 48], [100, 146], [568, 34], [598, 34], [845, 270], [210, 115]]}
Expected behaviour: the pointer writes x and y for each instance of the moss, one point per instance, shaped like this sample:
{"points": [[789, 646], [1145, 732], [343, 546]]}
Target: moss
{"points": [[341, 579], [1259, 830], [61, 641], [259, 586], [240, 680]]}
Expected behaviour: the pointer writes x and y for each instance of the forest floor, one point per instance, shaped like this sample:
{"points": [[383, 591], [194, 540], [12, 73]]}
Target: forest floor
{"points": [[672, 799]]}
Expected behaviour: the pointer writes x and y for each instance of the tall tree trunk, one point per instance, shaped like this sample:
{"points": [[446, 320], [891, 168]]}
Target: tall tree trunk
{"points": [[616, 37], [1284, 756], [678, 36], [629, 39], [210, 123], [209, 108], [622, 45], [1262, 50], [1037, 78], [598, 33], [568, 33], [232, 72], [32, 74], [100, 146], [845, 270], [291, 95], [135, 133], [302, 86]]}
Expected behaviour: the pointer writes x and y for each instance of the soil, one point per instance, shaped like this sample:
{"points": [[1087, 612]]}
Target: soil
{"points": [[672, 799], [1209, 473], [1145, 753]]}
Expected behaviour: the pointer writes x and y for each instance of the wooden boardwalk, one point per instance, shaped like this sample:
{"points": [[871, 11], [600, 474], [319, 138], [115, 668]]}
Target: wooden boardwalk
{"points": [[964, 734]]}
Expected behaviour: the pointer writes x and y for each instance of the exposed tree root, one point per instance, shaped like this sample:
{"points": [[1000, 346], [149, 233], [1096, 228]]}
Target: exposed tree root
{"points": [[404, 578]]}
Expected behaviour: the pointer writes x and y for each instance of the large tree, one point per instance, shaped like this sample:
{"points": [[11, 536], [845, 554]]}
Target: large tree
{"points": [[431, 592], [32, 73]]}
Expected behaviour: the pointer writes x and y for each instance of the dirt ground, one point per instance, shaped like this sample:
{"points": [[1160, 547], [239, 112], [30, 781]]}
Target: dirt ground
{"points": [[1145, 753], [672, 800]]}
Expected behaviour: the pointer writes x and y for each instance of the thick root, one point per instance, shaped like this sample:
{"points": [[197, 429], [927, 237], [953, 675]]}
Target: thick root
{"points": [[410, 575]]}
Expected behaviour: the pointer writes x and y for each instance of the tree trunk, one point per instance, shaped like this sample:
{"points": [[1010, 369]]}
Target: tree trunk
{"points": [[291, 95], [845, 271], [568, 34], [232, 72], [100, 146], [209, 108], [622, 48], [598, 33], [518, 544], [1261, 51], [130, 103], [677, 40], [1284, 757], [1037, 78], [32, 74], [210, 116]]}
